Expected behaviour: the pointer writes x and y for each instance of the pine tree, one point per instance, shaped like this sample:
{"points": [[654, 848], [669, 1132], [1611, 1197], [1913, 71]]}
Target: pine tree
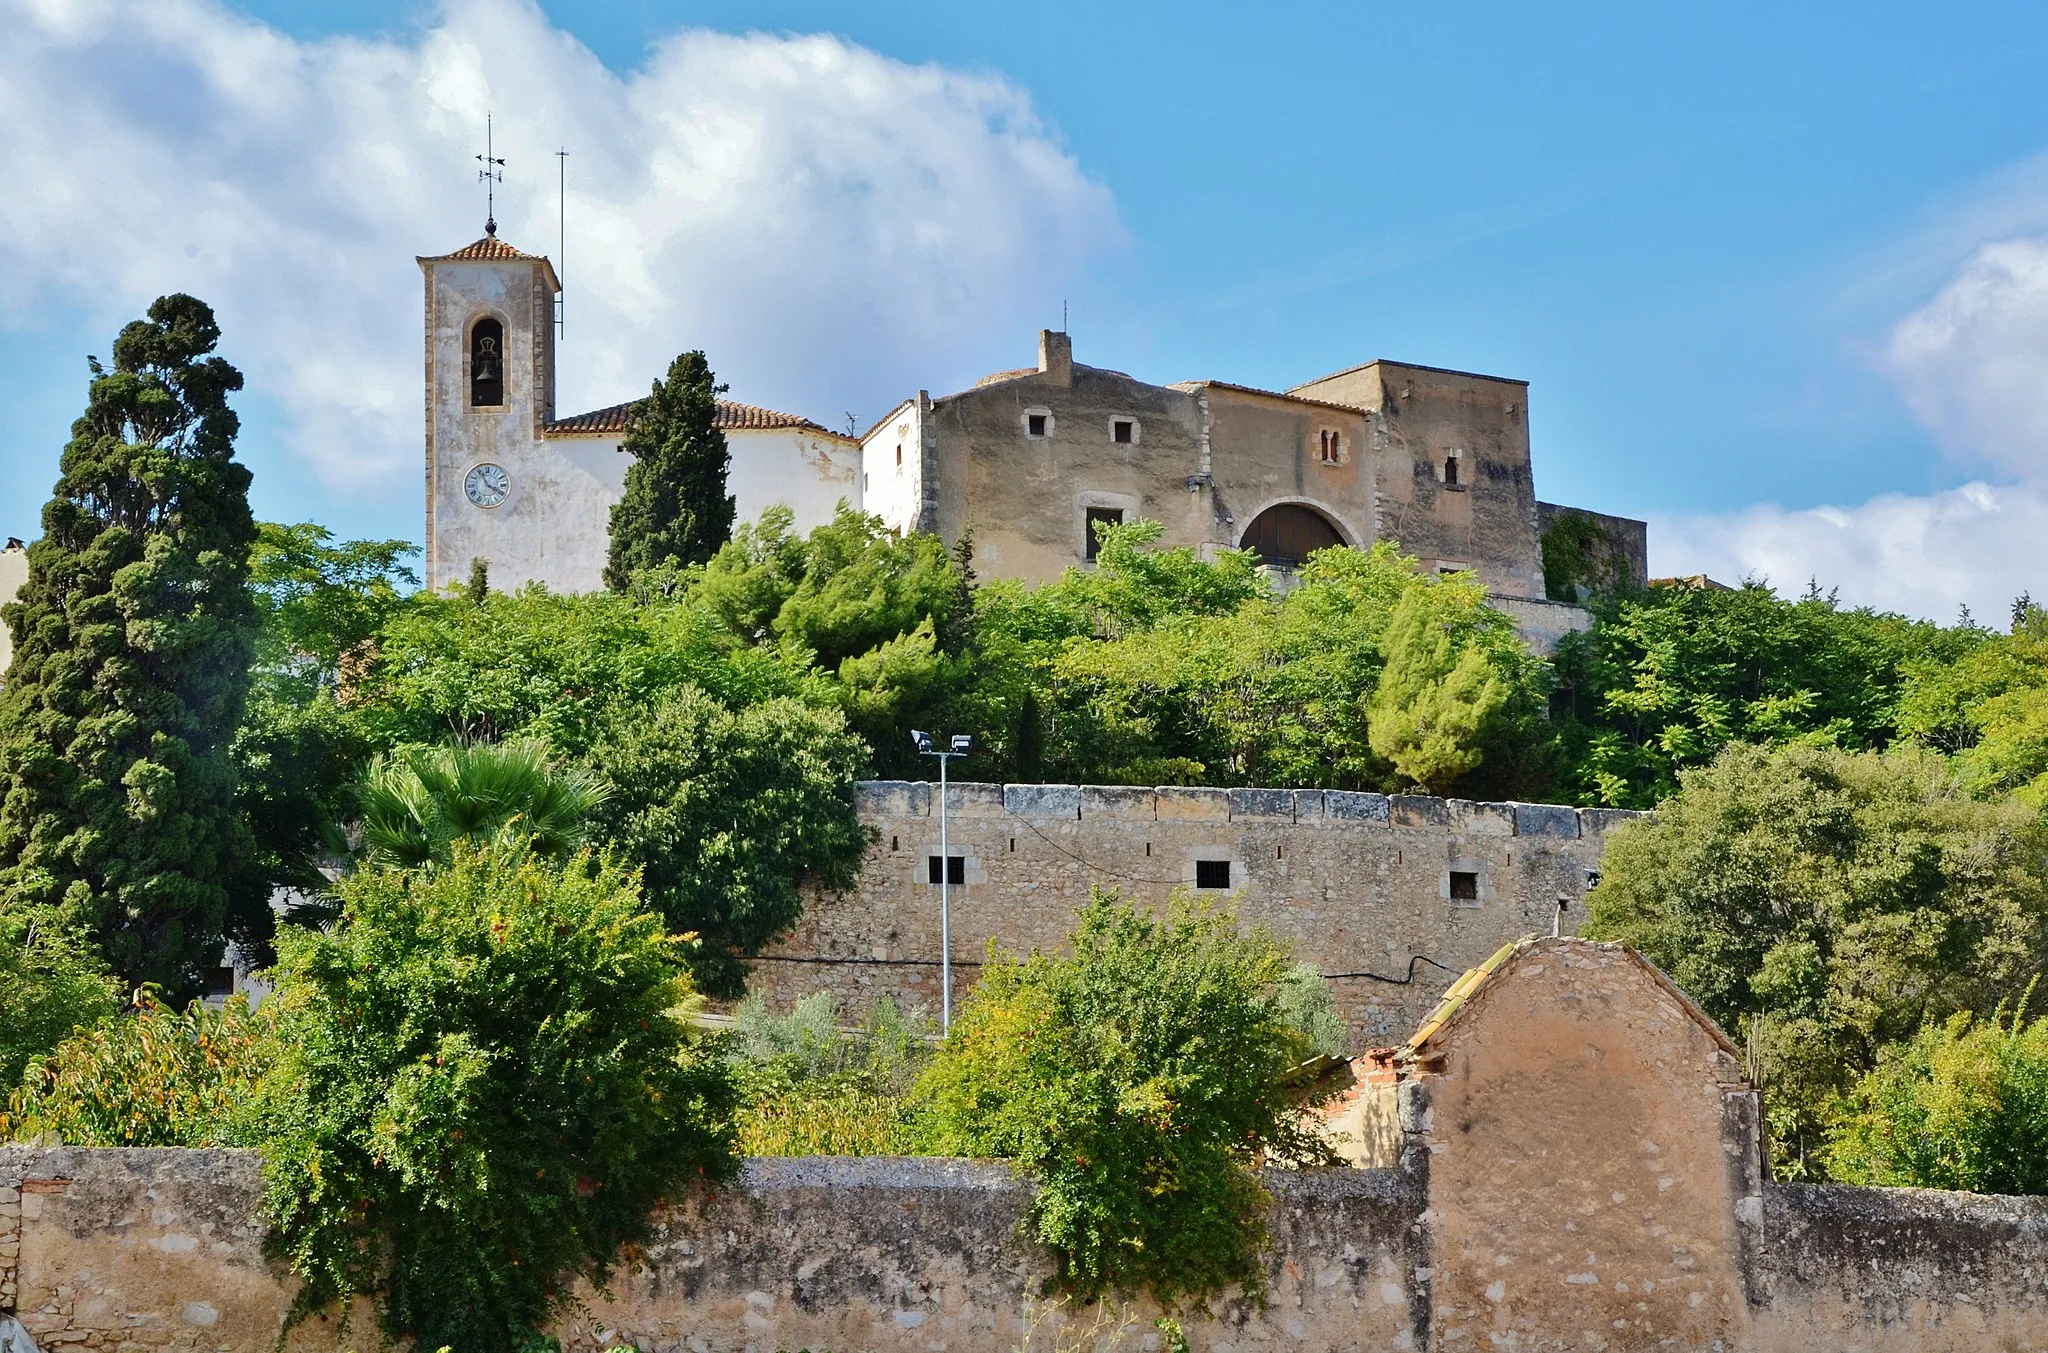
{"points": [[675, 509], [133, 638]]}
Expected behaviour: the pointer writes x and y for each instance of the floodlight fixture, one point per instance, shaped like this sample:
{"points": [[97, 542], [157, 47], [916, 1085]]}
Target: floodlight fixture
{"points": [[923, 741], [962, 742]]}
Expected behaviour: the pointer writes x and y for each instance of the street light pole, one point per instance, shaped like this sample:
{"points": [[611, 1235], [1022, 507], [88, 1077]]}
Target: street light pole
{"points": [[957, 745]]}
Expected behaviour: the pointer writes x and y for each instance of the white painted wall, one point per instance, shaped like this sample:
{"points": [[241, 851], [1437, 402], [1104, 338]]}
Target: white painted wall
{"points": [[807, 471], [13, 573], [895, 487]]}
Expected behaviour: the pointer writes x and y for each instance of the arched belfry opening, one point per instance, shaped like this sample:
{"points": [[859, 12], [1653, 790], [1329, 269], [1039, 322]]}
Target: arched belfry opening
{"points": [[486, 364], [1287, 533]]}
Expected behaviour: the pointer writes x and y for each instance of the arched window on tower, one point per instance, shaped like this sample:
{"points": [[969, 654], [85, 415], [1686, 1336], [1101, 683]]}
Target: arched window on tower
{"points": [[486, 364]]}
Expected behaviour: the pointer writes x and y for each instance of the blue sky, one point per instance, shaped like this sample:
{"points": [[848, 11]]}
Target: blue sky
{"points": [[1738, 250]]}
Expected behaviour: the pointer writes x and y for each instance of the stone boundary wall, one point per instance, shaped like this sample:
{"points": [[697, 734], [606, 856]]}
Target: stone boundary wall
{"points": [[148, 1249], [162, 1249], [1363, 887]]}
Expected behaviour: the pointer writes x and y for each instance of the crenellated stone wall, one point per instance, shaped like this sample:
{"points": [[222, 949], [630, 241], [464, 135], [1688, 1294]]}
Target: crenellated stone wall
{"points": [[1360, 885]]}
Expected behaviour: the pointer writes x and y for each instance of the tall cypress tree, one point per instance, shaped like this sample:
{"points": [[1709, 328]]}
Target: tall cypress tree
{"points": [[675, 509], [133, 639]]}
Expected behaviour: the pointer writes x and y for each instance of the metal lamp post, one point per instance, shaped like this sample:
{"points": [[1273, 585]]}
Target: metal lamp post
{"points": [[958, 745]]}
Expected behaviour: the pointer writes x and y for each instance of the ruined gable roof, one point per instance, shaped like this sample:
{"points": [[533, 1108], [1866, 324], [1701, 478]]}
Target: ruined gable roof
{"points": [[1459, 998], [732, 417], [1190, 387], [491, 249]]}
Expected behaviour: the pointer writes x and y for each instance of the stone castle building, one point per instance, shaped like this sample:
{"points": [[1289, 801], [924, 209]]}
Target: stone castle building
{"points": [[1031, 460]]}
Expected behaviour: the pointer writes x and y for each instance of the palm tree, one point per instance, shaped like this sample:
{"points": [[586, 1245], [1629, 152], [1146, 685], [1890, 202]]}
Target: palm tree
{"points": [[419, 801]]}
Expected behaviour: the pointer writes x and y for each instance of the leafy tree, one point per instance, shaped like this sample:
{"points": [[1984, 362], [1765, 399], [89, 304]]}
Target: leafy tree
{"points": [[1668, 678], [419, 801], [299, 753], [133, 638], [1140, 1082], [486, 1081], [1440, 692], [728, 813], [50, 985], [1847, 899], [675, 509], [149, 1077], [1962, 1105]]}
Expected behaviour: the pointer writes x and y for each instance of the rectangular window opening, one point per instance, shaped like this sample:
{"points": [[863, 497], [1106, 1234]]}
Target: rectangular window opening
{"points": [[1035, 424], [892, 844], [220, 982], [899, 453], [1464, 885], [1212, 873], [1013, 845], [956, 870], [1451, 470], [1108, 516], [1120, 430]]}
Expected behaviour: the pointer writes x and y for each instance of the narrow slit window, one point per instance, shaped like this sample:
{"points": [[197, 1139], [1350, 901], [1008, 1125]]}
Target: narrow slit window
{"points": [[956, 870], [1212, 873], [1464, 885], [899, 453], [1451, 470]]}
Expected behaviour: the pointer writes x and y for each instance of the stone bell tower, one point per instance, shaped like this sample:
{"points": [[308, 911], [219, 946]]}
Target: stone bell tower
{"points": [[490, 393]]}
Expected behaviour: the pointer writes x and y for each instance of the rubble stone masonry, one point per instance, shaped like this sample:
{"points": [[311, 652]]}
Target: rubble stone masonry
{"points": [[1364, 887]]}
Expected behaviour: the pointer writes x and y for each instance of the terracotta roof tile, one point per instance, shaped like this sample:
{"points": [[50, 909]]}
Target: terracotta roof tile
{"points": [[489, 247], [732, 416]]}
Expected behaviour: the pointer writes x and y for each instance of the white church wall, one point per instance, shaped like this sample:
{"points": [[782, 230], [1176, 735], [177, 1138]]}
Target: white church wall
{"points": [[808, 472], [892, 466]]}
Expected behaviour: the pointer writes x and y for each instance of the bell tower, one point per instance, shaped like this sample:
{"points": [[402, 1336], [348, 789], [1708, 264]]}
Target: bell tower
{"points": [[490, 393]]}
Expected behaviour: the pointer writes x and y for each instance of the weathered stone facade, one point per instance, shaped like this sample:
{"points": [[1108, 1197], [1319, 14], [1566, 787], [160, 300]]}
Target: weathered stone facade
{"points": [[1364, 887], [1573, 1163], [1435, 460]]}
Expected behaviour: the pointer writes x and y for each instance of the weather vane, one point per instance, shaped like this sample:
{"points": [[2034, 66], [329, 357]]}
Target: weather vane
{"points": [[491, 175]]}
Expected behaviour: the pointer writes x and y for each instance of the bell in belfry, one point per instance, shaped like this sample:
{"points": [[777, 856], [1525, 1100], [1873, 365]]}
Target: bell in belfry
{"points": [[487, 360]]}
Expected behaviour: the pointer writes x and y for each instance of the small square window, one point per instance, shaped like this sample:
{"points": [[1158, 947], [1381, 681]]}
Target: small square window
{"points": [[1108, 516], [1034, 424], [1120, 431], [956, 870], [220, 982], [1464, 885], [1212, 873]]}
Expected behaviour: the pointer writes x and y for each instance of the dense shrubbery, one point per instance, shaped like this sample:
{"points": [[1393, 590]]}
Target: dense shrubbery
{"points": [[814, 1088], [486, 1080], [1846, 900], [1140, 1081], [1961, 1105]]}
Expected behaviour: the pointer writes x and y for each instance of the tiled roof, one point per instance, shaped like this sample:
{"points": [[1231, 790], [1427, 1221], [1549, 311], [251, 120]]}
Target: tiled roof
{"points": [[488, 248], [732, 416]]}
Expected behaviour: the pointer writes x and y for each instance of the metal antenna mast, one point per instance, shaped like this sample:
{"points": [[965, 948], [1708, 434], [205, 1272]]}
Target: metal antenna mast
{"points": [[491, 175], [561, 238]]}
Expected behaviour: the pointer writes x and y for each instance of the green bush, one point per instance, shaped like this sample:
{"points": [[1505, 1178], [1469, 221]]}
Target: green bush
{"points": [[50, 984], [487, 1082], [153, 1076], [1140, 1082], [813, 1087], [1962, 1105], [1845, 898]]}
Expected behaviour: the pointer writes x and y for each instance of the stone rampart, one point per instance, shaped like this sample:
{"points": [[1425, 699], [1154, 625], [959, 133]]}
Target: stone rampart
{"points": [[1391, 896]]}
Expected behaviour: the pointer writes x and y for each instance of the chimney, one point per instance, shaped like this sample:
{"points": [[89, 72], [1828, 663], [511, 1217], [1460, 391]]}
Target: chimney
{"points": [[1056, 356]]}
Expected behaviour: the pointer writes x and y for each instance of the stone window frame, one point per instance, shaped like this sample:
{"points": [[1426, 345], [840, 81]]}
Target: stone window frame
{"points": [[503, 406], [1457, 479], [1137, 429], [1333, 448], [972, 871], [1126, 503], [1037, 411], [1215, 854], [1465, 864]]}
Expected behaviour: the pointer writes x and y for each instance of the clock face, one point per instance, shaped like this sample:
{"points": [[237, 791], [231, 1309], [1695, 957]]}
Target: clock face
{"points": [[487, 485]]}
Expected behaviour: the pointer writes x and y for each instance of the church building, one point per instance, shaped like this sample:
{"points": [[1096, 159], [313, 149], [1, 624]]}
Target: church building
{"points": [[1032, 460]]}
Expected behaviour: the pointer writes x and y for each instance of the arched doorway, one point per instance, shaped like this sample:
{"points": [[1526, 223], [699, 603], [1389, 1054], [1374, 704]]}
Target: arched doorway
{"points": [[1287, 533]]}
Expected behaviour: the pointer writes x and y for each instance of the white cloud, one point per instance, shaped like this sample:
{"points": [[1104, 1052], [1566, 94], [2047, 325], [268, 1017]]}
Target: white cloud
{"points": [[1972, 365], [1978, 545], [1973, 362], [833, 227]]}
